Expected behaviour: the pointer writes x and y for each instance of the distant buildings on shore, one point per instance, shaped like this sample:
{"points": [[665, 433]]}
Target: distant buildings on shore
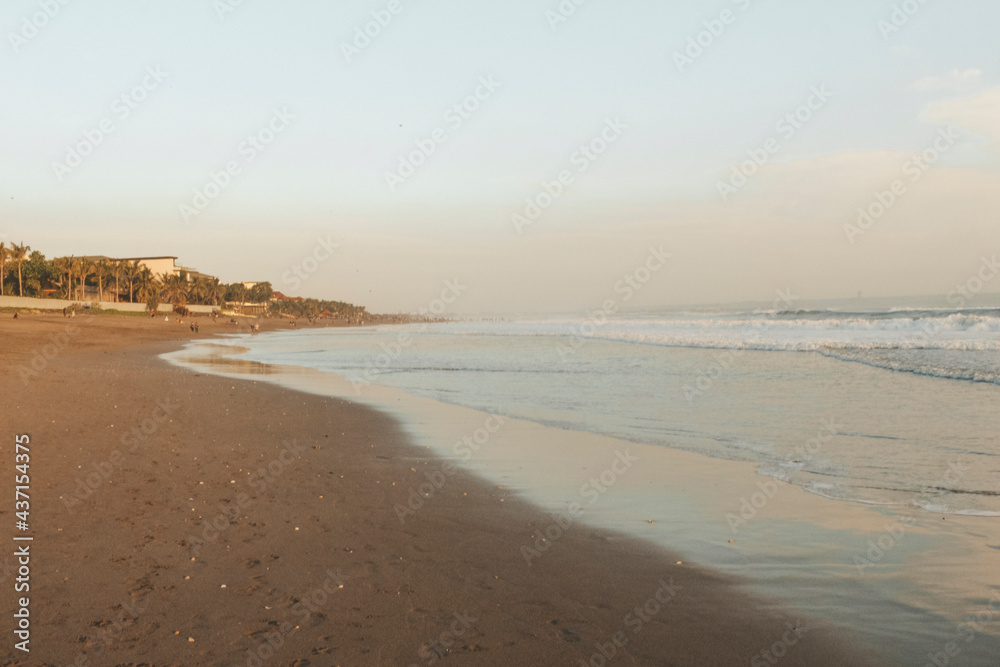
{"points": [[160, 267]]}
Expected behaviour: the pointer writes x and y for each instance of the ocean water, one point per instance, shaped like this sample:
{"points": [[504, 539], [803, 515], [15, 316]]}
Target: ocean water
{"points": [[893, 406], [872, 425]]}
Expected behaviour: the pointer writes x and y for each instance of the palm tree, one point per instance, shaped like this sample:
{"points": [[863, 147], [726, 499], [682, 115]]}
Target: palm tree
{"points": [[4, 253], [87, 269], [116, 268], [239, 292], [144, 281], [175, 290], [102, 270], [198, 291], [149, 286], [215, 291], [152, 292], [58, 263], [76, 269], [130, 271], [64, 265], [19, 253]]}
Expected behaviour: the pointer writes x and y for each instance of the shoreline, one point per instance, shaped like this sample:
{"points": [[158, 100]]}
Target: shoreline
{"points": [[296, 522]]}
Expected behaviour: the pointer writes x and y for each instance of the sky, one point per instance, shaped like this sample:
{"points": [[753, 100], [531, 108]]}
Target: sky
{"points": [[534, 153]]}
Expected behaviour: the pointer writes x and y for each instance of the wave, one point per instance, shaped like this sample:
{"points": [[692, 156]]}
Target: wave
{"points": [[970, 368], [778, 331]]}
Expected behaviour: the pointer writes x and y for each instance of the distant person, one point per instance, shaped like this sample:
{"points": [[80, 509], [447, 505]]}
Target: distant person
{"points": [[17, 315]]}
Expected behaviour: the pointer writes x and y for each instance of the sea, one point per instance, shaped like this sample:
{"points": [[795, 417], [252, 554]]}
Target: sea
{"points": [[873, 424]]}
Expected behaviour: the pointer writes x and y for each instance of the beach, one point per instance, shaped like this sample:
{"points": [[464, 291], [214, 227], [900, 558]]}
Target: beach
{"points": [[180, 518]]}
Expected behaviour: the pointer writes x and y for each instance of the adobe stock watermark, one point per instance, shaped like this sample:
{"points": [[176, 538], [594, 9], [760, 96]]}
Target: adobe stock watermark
{"points": [[128, 615], [229, 512], [768, 488], [773, 654], [966, 631], [365, 35], [565, 10], [224, 8], [698, 44], [102, 471], [726, 360], [439, 647], [248, 150], [787, 127], [121, 109], [312, 602], [32, 25], [390, 352], [634, 622], [902, 14], [875, 551], [301, 271], [630, 284], [916, 167], [42, 356], [968, 291], [454, 118], [463, 449], [581, 159], [591, 491]]}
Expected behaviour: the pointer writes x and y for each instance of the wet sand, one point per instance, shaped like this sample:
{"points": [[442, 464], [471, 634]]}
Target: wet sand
{"points": [[186, 519]]}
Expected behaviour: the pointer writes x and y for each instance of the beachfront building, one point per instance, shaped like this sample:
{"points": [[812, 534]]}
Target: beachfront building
{"points": [[161, 267]]}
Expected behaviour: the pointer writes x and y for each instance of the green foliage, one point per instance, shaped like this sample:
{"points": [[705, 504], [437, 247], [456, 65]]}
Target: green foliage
{"points": [[38, 274], [261, 293], [236, 292], [316, 307], [137, 284]]}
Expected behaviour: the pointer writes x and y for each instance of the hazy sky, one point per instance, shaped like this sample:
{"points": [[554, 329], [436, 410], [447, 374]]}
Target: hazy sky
{"points": [[183, 85]]}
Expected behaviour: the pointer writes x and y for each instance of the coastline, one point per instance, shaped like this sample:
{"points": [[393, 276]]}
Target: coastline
{"points": [[112, 579]]}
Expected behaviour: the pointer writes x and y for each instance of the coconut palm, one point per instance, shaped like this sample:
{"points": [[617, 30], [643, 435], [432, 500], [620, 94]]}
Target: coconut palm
{"points": [[4, 254], [198, 291], [175, 290], [148, 286], [119, 273], [64, 266], [215, 291], [19, 253], [102, 270], [152, 292], [86, 270], [76, 269], [146, 283], [130, 272], [59, 264]]}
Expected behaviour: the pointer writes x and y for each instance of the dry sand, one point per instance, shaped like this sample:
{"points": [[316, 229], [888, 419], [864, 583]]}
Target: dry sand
{"points": [[185, 519]]}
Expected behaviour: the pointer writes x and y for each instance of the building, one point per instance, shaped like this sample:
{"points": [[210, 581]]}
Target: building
{"points": [[278, 296], [160, 267]]}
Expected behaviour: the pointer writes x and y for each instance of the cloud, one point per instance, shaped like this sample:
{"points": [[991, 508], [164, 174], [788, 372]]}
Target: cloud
{"points": [[979, 113], [954, 80]]}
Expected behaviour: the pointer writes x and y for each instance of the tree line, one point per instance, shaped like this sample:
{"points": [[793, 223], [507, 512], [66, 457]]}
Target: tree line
{"points": [[26, 272]]}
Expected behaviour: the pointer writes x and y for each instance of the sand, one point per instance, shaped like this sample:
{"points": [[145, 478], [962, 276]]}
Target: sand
{"points": [[186, 519]]}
